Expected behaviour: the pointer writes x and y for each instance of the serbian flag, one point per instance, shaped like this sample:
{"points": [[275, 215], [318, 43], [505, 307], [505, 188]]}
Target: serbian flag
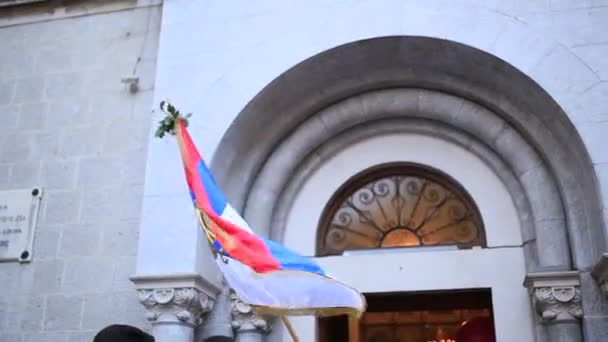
{"points": [[263, 273]]}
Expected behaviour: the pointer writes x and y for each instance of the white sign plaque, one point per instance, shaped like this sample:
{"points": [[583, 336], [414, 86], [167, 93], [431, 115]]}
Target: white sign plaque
{"points": [[18, 216]]}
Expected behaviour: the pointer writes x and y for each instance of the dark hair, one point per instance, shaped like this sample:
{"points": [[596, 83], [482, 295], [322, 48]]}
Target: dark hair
{"points": [[122, 333]]}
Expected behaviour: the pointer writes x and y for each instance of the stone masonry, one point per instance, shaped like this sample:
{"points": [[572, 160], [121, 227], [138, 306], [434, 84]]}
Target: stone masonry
{"points": [[71, 126], [558, 44]]}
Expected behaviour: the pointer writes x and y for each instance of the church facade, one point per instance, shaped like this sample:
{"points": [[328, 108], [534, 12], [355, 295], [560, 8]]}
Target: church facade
{"points": [[446, 158]]}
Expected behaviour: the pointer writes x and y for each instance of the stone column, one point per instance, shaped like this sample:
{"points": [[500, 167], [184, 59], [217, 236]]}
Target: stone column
{"points": [[218, 326], [175, 304], [174, 312], [600, 274], [556, 297], [248, 326], [595, 323]]}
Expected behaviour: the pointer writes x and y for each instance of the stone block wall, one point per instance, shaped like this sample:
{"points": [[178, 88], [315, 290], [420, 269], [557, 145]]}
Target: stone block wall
{"points": [[70, 126]]}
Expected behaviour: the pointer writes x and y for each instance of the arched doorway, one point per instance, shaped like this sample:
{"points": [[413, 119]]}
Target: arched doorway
{"points": [[413, 317], [444, 98], [495, 264], [402, 205]]}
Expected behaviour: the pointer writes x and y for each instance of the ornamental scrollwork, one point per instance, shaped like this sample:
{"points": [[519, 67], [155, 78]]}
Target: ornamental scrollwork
{"points": [[405, 207], [558, 303], [186, 305], [244, 317]]}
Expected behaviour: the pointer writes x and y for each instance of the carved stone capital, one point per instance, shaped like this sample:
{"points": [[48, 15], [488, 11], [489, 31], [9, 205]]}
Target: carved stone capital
{"points": [[245, 319], [175, 297], [185, 304], [600, 274], [556, 296]]}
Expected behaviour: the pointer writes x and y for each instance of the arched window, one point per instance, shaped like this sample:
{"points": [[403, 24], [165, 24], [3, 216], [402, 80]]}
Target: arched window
{"points": [[399, 205]]}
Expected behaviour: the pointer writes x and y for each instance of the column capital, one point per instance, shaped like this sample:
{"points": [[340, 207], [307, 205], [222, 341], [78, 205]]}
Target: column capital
{"points": [[600, 274], [244, 317], [556, 296], [186, 304], [175, 298]]}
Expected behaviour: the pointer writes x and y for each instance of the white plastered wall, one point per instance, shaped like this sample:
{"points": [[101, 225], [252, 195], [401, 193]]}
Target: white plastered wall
{"points": [[499, 267], [215, 56]]}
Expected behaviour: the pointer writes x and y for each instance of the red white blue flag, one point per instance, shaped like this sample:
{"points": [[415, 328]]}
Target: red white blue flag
{"points": [[263, 273]]}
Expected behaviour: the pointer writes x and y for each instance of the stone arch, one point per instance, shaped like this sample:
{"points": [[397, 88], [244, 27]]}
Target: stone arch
{"points": [[315, 101], [428, 112], [407, 125]]}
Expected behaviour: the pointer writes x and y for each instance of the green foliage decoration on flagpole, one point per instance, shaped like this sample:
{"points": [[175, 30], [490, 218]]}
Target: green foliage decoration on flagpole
{"points": [[167, 124]]}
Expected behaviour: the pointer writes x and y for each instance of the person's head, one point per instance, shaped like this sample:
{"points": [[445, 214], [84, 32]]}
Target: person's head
{"points": [[122, 333]]}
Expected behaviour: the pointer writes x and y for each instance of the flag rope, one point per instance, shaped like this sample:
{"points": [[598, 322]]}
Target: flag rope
{"points": [[203, 222], [208, 233]]}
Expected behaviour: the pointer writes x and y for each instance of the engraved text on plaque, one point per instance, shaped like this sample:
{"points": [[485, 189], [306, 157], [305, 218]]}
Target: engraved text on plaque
{"points": [[18, 215]]}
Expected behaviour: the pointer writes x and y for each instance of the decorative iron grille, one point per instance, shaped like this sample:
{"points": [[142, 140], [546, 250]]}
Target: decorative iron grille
{"points": [[399, 206]]}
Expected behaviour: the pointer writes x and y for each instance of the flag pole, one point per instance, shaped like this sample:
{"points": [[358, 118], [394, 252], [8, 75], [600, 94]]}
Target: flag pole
{"points": [[292, 332], [169, 125]]}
